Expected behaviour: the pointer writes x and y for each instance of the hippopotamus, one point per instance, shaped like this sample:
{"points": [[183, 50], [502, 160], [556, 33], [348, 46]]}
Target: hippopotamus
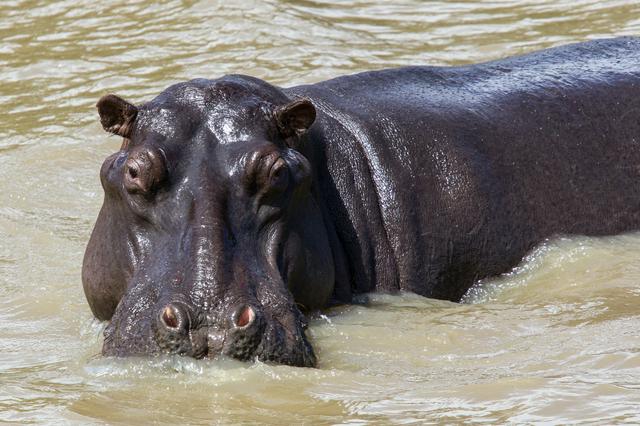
{"points": [[235, 207]]}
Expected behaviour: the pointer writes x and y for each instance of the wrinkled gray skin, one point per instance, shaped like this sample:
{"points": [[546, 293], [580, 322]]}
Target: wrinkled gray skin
{"points": [[233, 204]]}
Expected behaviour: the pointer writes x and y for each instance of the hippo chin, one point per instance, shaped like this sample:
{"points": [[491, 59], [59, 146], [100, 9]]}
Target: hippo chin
{"points": [[233, 206]]}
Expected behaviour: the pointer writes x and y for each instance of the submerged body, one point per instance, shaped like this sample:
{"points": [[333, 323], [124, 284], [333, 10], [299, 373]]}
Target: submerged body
{"points": [[233, 202]]}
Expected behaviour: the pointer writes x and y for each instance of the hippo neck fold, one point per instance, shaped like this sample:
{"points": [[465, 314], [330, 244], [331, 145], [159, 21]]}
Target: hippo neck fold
{"points": [[350, 177]]}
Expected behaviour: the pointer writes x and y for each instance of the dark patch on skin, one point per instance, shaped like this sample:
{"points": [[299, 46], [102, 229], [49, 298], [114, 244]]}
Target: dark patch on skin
{"points": [[232, 193]]}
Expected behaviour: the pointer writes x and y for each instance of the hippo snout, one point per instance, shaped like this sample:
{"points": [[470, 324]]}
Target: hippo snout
{"points": [[245, 332], [180, 331]]}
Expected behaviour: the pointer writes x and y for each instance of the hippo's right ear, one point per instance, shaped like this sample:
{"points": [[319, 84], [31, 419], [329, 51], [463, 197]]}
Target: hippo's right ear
{"points": [[295, 118], [116, 115]]}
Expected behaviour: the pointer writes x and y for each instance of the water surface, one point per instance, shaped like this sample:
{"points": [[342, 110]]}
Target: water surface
{"points": [[555, 341]]}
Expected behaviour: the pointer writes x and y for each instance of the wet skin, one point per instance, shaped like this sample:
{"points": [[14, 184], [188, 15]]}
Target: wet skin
{"points": [[234, 206]]}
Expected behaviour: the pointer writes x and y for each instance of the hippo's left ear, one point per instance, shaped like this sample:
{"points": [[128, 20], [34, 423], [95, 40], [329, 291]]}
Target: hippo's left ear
{"points": [[295, 118], [116, 115]]}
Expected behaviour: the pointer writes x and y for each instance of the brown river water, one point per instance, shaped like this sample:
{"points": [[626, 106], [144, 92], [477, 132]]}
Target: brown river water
{"points": [[555, 341]]}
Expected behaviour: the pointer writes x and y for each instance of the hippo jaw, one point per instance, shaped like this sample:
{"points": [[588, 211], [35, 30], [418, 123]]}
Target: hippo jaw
{"points": [[210, 235]]}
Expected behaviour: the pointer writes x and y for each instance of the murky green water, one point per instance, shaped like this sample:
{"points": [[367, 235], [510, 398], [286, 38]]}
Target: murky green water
{"points": [[556, 341]]}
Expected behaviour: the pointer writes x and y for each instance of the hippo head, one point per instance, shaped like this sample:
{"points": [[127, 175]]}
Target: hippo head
{"points": [[211, 238]]}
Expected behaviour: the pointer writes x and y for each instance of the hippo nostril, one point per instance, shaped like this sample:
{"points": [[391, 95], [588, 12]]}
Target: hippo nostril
{"points": [[244, 317], [170, 317]]}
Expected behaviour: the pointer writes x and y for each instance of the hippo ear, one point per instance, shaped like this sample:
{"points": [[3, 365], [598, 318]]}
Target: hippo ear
{"points": [[116, 115], [295, 118]]}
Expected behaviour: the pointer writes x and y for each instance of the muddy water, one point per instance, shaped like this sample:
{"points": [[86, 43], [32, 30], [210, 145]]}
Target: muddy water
{"points": [[556, 340]]}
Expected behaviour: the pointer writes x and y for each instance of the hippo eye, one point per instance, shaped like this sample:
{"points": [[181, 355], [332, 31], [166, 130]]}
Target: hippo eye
{"points": [[279, 175], [144, 170], [270, 174]]}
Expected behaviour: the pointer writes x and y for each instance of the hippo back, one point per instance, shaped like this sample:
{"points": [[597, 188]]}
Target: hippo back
{"points": [[435, 177]]}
